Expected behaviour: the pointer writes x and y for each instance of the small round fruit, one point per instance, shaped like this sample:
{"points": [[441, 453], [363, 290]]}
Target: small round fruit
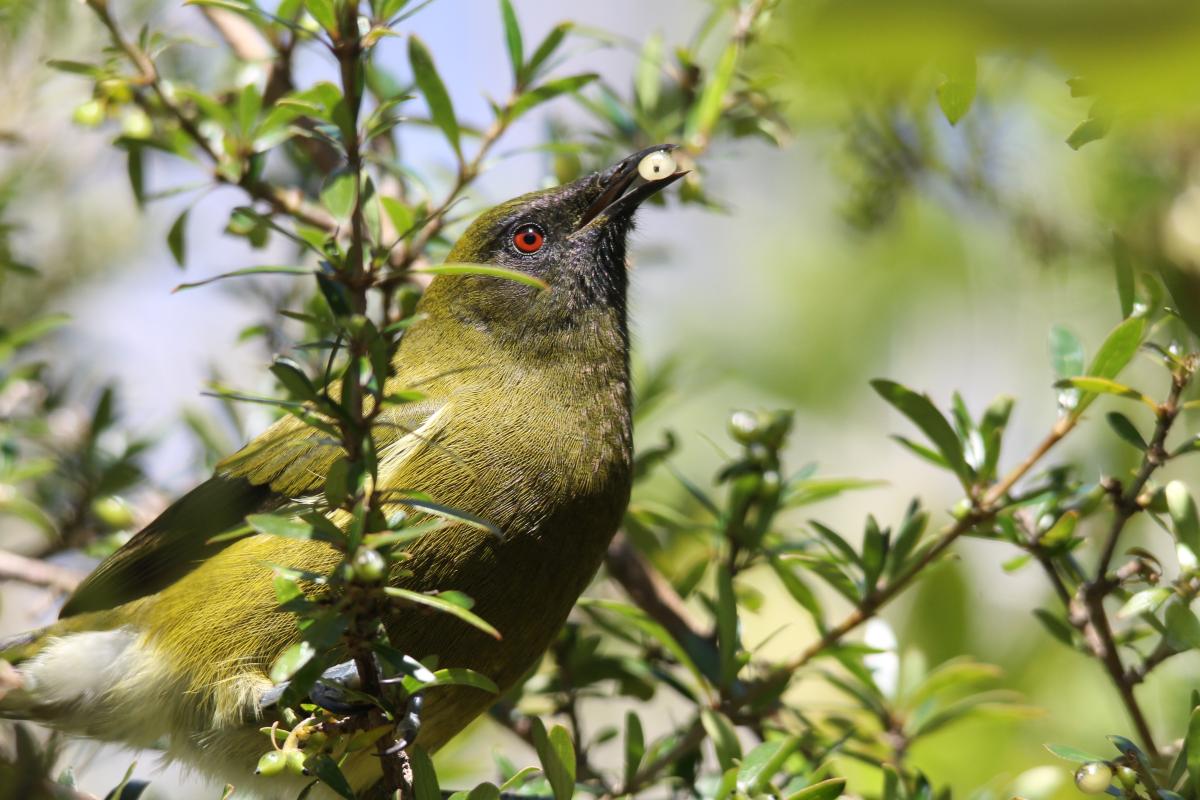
{"points": [[656, 166], [369, 566], [271, 763], [744, 427], [1094, 777], [1127, 777], [295, 762]]}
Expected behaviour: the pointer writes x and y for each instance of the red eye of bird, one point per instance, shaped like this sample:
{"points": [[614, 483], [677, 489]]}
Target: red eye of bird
{"points": [[529, 238]]}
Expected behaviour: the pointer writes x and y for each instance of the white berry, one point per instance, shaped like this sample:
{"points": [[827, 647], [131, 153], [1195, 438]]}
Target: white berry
{"points": [[656, 166]]}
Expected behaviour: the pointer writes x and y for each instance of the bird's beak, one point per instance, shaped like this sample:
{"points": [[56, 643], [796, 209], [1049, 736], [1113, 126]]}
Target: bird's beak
{"points": [[622, 188]]}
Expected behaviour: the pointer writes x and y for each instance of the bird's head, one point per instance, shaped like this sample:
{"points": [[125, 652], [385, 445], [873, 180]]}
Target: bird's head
{"points": [[571, 237]]}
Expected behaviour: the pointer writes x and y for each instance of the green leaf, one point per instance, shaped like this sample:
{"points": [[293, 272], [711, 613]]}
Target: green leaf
{"points": [[762, 763], [434, 91], [957, 90], [1191, 745], [1125, 428], [1118, 348], [1182, 509], [546, 49], [135, 166], [293, 379], [424, 780], [829, 789], [1089, 130], [461, 676], [291, 660], [487, 270], [1068, 753], [1093, 386], [1146, 601], [512, 39], [401, 215], [557, 755], [797, 588], [548, 91], [453, 609], [1055, 626], [339, 193], [324, 12], [248, 108], [1061, 531], [724, 738], [925, 415], [1123, 269], [636, 617], [327, 770], [635, 746], [1066, 353], [1182, 625], [285, 527], [707, 110], [176, 240], [727, 625]]}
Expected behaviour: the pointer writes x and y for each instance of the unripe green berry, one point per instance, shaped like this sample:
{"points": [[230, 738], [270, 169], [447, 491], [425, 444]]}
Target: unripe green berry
{"points": [[369, 566], [1127, 776], [295, 762], [271, 763], [1094, 777], [90, 114], [113, 512], [743, 427]]}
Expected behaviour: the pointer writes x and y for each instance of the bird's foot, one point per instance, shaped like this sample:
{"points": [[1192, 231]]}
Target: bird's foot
{"points": [[338, 690]]}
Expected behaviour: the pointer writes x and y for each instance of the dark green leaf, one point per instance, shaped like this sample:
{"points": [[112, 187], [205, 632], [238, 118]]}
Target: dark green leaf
{"points": [[1123, 268], [1066, 353], [453, 609], [325, 768], [546, 49], [486, 270], [1183, 515], [176, 238], [957, 89], [286, 527], [635, 746], [424, 781], [1125, 428], [922, 412], [762, 763], [434, 91], [557, 754], [270, 270], [548, 91], [724, 738], [829, 789], [512, 39]]}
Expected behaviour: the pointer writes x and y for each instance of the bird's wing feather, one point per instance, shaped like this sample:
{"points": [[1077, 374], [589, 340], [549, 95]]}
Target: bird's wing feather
{"points": [[289, 460]]}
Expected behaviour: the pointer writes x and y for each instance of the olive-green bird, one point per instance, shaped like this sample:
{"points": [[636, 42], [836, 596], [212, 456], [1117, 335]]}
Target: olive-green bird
{"points": [[525, 423]]}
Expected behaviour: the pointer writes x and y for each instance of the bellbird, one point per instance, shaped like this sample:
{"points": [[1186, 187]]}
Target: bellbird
{"points": [[525, 422]]}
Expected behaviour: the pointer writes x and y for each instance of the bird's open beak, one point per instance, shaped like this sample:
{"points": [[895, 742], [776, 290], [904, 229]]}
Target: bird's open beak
{"points": [[622, 188]]}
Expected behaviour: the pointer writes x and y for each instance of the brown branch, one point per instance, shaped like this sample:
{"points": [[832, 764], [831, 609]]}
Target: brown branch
{"points": [[1088, 612], [242, 37], [38, 573], [650, 591], [285, 201]]}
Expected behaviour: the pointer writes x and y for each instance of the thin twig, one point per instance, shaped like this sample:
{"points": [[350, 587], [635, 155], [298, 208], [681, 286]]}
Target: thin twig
{"points": [[15, 567]]}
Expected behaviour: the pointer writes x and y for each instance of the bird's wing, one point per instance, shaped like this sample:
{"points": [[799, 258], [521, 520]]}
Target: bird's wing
{"points": [[288, 461]]}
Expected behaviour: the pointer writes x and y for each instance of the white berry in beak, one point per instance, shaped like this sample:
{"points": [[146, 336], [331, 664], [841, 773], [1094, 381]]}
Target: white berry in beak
{"points": [[656, 166]]}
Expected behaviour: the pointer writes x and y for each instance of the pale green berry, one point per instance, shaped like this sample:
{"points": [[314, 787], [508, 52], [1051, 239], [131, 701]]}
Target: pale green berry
{"points": [[271, 763], [1094, 777]]}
